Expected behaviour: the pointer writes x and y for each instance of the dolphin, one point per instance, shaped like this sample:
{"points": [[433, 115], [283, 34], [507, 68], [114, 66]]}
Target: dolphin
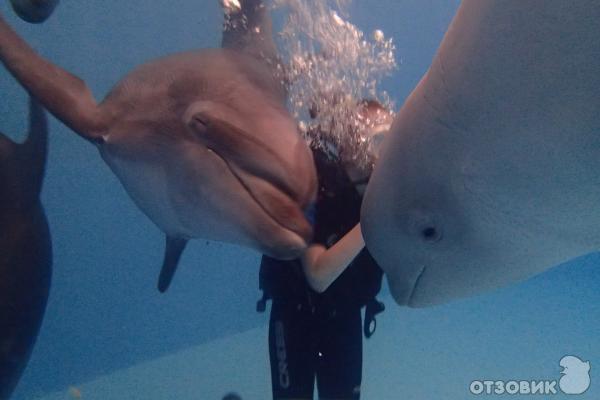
{"points": [[490, 172], [202, 140], [34, 11], [25, 248]]}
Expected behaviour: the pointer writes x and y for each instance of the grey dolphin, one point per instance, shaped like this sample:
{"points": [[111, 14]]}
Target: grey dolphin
{"points": [[491, 172], [25, 249], [201, 141], [34, 11]]}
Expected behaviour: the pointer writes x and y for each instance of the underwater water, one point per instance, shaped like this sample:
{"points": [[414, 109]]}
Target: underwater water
{"points": [[109, 334]]}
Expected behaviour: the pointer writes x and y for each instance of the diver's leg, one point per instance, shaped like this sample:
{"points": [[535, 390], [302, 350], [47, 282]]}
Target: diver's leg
{"points": [[63, 94], [339, 370], [291, 356]]}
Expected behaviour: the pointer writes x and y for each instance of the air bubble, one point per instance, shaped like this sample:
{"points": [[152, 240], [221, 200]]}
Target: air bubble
{"points": [[378, 35], [332, 67], [231, 6]]}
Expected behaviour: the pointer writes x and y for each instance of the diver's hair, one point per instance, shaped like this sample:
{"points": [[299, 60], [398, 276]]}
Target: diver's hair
{"points": [[353, 149], [372, 105]]}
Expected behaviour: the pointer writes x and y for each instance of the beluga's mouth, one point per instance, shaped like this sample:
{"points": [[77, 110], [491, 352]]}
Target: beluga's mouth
{"points": [[404, 286], [411, 295]]}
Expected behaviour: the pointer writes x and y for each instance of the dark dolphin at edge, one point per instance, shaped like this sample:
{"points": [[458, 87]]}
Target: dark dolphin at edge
{"points": [[25, 248]]}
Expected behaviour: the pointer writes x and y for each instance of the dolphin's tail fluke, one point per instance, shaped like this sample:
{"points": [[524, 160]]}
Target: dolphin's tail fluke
{"points": [[174, 249]]}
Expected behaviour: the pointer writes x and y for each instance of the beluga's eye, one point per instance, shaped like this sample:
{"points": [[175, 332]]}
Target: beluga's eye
{"points": [[424, 225]]}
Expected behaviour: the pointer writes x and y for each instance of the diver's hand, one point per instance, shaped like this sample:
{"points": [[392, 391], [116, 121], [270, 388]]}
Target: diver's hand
{"points": [[322, 266]]}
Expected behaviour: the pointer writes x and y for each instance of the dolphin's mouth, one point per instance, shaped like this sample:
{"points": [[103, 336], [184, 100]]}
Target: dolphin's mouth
{"points": [[274, 202]]}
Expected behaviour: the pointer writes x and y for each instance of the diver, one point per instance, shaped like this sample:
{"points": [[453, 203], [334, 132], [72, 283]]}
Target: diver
{"points": [[315, 326]]}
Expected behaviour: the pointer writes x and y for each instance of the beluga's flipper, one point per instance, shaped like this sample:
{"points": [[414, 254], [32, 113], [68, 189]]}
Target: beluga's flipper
{"points": [[173, 250], [25, 248], [34, 11]]}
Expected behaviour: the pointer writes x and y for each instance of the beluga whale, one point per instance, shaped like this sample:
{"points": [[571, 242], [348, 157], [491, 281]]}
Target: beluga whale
{"points": [[490, 173], [34, 11], [201, 140], [25, 248]]}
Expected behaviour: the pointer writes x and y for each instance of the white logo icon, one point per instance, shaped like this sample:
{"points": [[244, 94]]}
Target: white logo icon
{"points": [[576, 375]]}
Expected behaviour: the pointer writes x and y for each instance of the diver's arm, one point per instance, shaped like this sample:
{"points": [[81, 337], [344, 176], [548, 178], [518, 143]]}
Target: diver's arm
{"points": [[322, 266]]}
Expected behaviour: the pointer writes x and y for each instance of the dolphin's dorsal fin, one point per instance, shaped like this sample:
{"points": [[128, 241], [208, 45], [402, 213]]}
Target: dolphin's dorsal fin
{"points": [[35, 148], [173, 250], [248, 28], [22, 166]]}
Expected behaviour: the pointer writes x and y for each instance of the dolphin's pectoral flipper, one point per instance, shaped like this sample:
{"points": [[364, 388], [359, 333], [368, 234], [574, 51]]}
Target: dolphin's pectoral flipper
{"points": [[173, 250], [63, 94], [249, 29]]}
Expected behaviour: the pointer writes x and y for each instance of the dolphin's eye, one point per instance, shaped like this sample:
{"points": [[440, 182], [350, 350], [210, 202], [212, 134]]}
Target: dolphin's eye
{"points": [[200, 124], [201, 120]]}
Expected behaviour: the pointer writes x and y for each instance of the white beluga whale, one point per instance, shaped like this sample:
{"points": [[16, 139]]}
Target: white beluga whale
{"points": [[34, 11], [201, 141], [490, 173]]}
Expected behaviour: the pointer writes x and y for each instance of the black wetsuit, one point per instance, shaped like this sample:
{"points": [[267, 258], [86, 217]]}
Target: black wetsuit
{"points": [[314, 335]]}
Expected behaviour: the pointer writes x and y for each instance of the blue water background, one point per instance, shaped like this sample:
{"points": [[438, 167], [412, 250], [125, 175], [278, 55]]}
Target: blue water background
{"points": [[105, 314]]}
